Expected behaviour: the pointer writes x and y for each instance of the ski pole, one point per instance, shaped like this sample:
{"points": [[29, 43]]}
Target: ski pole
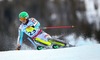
{"points": [[54, 27]]}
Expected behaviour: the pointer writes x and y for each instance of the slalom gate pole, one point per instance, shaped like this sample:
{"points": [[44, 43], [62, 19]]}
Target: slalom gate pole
{"points": [[57, 27]]}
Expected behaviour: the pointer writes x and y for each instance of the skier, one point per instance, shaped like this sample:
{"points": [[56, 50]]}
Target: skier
{"points": [[30, 26]]}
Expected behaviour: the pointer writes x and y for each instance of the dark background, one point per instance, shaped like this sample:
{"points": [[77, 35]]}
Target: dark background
{"points": [[48, 13]]}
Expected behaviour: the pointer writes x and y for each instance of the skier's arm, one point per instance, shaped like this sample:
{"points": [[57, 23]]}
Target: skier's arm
{"points": [[36, 23], [20, 39]]}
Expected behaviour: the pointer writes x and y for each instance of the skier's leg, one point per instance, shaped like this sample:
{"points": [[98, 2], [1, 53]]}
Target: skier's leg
{"points": [[57, 43], [33, 42], [42, 40]]}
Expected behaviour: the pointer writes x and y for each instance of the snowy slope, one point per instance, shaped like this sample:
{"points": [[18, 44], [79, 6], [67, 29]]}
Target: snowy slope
{"points": [[86, 52]]}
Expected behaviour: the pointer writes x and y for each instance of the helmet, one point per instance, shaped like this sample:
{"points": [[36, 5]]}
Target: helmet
{"points": [[23, 15]]}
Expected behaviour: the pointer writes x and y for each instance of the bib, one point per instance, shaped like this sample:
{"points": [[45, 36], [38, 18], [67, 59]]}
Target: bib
{"points": [[30, 29]]}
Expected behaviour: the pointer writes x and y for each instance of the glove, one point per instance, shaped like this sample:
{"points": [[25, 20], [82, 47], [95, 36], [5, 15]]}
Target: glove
{"points": [[18, 48], [33, 26]]}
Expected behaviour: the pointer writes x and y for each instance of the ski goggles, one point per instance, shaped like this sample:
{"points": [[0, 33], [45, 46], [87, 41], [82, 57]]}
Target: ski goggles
{"points": [[22, 19]]}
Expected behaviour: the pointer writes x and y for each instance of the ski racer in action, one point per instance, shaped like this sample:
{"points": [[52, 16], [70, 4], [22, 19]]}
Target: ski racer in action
{"points": [[31, 27]]}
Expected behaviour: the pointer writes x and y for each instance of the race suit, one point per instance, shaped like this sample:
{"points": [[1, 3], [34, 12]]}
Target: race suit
{"points": [[31, 28]]}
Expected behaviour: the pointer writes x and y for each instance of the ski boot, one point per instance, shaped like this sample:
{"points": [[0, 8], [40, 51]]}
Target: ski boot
{"points": [[40, 47], [55, 46]]}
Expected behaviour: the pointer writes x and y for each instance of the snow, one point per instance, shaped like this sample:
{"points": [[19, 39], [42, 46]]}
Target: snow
{"points": [[80, 41], [85, 52]]}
